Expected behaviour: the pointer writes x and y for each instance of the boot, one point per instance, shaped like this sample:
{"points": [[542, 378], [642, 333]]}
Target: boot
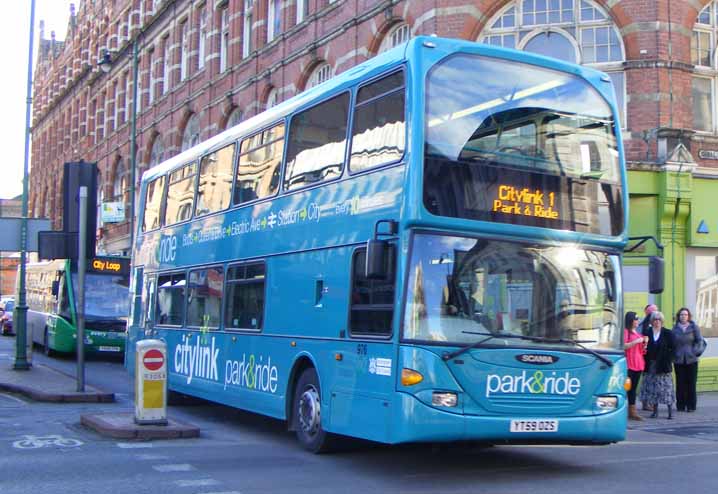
{"points": [[655, 412], [670, 412], [633, 414]]}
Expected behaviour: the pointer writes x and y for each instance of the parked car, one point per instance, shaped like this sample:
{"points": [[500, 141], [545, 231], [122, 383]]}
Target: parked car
{"points": [[6, 317]]}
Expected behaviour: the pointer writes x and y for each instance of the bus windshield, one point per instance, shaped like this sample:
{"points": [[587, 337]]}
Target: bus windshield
{"points": [[460, 287], [106, 296], [519, 144]]}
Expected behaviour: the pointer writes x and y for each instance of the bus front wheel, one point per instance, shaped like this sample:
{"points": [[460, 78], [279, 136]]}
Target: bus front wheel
{"points": [[307, 411]]}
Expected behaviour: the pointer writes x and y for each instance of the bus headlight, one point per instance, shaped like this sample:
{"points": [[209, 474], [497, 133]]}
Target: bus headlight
{"points": [[444, 399], [607, 402]]}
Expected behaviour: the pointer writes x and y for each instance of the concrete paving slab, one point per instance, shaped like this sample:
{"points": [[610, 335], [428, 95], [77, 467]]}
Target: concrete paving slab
{"points": [[123, 426], [42, 383]]}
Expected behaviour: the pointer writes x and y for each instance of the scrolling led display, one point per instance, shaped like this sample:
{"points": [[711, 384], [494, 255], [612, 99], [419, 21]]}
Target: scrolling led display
{"points": [[534, 202]]}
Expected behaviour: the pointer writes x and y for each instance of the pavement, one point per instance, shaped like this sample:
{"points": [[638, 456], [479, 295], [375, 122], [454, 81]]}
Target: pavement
{"points": [[45, 384]]}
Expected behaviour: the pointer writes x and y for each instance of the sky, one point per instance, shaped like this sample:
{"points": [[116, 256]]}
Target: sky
{"points": [[15, 39]]}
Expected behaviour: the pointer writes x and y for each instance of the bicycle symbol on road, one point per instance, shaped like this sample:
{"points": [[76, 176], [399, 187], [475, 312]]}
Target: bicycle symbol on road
{"points": [[34, 442]]}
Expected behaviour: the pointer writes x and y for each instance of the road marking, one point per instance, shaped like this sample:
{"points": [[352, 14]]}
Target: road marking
{"points": [[152, 457], [196, 483], [223, 492], [35, 442], [134, 445], [177, 467]]}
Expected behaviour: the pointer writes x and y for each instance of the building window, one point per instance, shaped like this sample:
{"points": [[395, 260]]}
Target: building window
{"points": [[157, 152], [128, 95], [322, 73], [705, 72], [224, 39], [274, 19], [702, 289], [234, 118], [151, 64], [397, 35], [271, 99], [302, 10], [577, 31], [202, 40], [166, 64], [184, 59], [247, 28], [190, 137]]}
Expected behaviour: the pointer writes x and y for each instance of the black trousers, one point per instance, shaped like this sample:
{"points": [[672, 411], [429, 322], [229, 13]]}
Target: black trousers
{"points": [[635, 378], [686, 377]]}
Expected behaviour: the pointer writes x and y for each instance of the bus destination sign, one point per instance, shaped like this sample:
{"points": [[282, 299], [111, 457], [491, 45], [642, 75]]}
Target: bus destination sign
{"points": [[108, 265], [531, 202]]}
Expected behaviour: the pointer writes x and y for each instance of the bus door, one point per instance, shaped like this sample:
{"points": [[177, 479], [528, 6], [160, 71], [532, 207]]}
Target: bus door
{"points": [[364, 380], [142, 320]]}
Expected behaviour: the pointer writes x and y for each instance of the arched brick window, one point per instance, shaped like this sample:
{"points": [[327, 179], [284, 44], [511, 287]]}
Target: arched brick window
{"points": [[321, 73], [578, 31], [157, 154], [397, 35], [190, 137], [234, 118], [271, 99], [703, 57]]}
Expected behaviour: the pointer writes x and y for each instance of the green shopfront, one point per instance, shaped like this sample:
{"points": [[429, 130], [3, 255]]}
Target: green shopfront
{"points": [[678, 204]]}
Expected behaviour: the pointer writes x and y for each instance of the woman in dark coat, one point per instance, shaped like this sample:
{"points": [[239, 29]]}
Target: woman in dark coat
{"points": [[686, 335], [658, 380]]}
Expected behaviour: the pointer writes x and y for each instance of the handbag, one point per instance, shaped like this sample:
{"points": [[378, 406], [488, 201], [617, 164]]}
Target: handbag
{"points": [[700, 346]]}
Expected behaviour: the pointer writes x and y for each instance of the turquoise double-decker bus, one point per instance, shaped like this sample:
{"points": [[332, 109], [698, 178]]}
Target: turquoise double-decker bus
{"points": [[424, 248]]}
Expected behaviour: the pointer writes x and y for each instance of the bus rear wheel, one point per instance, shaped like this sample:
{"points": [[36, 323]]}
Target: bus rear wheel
{"points": [[307, 413]]}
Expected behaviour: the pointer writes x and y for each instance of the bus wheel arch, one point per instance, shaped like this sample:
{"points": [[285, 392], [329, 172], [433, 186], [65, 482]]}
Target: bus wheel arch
{"points": [[300, 365]]}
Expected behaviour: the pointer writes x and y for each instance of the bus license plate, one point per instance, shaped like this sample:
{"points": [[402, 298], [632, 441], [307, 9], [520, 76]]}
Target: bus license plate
{"points": [[109, 349], [534, 425]]}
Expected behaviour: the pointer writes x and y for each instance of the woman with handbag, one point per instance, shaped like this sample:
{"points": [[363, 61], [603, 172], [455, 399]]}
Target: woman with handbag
{"points": [[658, 380], [688, 347]]}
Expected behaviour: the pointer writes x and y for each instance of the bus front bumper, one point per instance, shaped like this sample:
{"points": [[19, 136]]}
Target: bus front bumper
{"points": [[417, 422]]}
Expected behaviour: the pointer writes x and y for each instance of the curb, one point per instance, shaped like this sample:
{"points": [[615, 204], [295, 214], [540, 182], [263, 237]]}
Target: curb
{"points": [[122, 426], [77, 397]]}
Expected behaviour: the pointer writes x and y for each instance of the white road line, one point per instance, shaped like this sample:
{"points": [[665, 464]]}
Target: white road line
{"points": [[223, 492], [152, 457], [196, 483], [176, 467], [134, 445]]}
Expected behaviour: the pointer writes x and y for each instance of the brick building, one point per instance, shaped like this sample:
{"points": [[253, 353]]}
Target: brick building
{"points": [[206, 64]]}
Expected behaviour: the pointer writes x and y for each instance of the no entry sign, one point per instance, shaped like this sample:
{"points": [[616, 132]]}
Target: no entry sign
{"points": [[153, 360]]}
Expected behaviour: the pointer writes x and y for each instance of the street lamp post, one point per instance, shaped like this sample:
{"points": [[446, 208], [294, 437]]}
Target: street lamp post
{"points": [[21, 362], [105, 64]]}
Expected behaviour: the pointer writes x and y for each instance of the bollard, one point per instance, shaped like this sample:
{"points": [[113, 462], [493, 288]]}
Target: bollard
{"points": [[151, 382]]}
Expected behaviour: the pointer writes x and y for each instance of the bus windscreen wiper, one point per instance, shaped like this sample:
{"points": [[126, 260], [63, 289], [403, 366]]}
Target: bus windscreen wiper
{"points": [[540, 339], [476, 344]]}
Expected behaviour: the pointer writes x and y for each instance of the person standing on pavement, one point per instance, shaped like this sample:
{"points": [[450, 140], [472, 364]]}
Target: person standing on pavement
{"points": [[658, 378], [687, 335], [644, 327], [634, 345]]}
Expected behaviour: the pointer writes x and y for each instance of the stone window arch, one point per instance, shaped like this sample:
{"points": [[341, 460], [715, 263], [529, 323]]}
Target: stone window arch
{"points": [[190, 136], [705, 73], [157, 153], [578, 31], [398, 34]]}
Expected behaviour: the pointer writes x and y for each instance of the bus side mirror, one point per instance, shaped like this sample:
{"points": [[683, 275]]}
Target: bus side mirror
{"points": [[655, 274], [55, 288], [376, 255]]}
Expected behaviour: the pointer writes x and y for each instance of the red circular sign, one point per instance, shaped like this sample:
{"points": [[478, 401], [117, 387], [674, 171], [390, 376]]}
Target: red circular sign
{"points": [[153, 360]]}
